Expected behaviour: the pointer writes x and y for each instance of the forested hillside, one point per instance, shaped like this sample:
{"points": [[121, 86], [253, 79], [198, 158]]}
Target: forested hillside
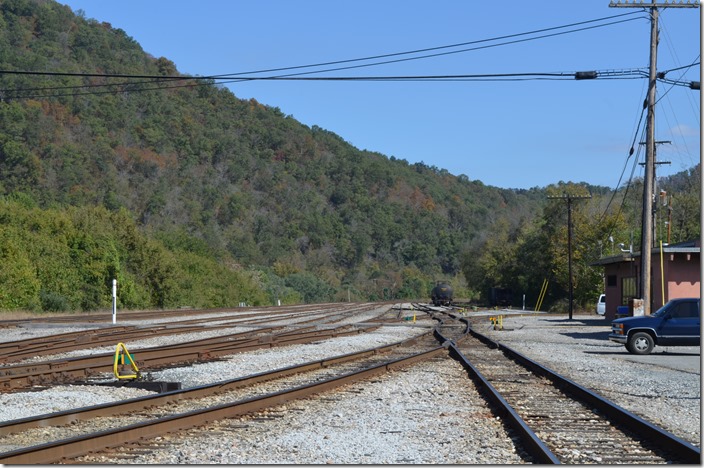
{"points": [[191, 196]]}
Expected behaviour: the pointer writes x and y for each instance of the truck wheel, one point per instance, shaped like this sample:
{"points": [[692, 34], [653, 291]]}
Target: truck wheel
{"points": [[640, 343]]}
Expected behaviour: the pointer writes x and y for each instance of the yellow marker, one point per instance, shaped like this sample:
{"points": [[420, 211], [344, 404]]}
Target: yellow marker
{"points": [[120, 353]]}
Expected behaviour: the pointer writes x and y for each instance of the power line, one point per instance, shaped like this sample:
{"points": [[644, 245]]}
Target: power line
{"points": [[151, 79], [40, 92], [160, 78], [661, 75], [447, 53], [337, 62], [604, 74], [417, 51]]}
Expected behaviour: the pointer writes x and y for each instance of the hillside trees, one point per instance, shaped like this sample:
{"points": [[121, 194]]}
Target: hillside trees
{"points": [[521, 256], [683, 207], [192, 196], [254, 184], [66, 260]]}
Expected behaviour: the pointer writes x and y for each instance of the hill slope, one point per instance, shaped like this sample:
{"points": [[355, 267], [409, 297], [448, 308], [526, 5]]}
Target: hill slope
{"points": [[217, 188], [195, 165]]}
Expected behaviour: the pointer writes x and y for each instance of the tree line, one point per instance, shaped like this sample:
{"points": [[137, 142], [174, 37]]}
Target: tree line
{"points": [[190, 196]]}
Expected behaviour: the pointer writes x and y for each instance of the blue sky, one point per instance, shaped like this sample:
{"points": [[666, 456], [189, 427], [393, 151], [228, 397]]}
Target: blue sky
{"points": [[511, 134]]}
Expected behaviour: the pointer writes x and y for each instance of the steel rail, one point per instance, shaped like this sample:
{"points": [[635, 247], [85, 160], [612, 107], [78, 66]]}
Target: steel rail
{"points": [[222, 341], [74, 447], [537, 448], [658, 436], [14, 351], [139, 403], [534, 446], [148, 315], [9, 349], [55, 344], [72, 369], [105, 337], [98, 359], [532, 443]]}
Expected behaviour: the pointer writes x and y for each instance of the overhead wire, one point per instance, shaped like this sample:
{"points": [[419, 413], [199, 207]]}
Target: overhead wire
{"points": [[631, 177], [454, 51], [240, 76], [428, 49], [660, 77], [677, 136], [486, 77], [623, 171], [675, 129], [375, 57], [624, 198]]}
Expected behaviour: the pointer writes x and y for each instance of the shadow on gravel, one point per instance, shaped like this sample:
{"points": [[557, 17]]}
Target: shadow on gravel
{"points": [[665, 352], [588, 335], [622, 350], [595, 322]]}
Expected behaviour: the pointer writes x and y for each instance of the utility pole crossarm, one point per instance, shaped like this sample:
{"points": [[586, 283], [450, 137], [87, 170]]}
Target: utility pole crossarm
{"points": [[570, 197]]}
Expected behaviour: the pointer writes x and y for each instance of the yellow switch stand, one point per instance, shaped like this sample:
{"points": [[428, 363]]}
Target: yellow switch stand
{"points": [[120, 353]]}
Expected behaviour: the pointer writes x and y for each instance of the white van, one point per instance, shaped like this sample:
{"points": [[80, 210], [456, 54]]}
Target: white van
{"points": [[601, 304]]}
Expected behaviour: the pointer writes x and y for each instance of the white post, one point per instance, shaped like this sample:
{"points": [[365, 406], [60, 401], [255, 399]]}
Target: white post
{"points": [[114, 301], [524, 302]]}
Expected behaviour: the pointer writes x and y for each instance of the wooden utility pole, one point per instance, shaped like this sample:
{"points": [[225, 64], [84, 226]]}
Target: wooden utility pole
{"points": [[569, 199], [646, 244]]}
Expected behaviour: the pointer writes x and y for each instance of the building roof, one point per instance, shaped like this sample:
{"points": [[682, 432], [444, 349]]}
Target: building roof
{"points": [[620, 258], [693, 246]]}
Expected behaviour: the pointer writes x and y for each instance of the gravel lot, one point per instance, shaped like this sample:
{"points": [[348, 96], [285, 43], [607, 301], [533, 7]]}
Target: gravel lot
{"points": [[395, 420]]}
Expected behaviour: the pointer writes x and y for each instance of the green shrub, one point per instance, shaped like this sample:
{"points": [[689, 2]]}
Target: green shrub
{"points": [[53, 302]]}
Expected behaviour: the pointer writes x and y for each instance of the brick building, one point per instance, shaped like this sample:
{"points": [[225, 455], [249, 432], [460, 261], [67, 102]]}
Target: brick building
{"points": [[676, 272]]}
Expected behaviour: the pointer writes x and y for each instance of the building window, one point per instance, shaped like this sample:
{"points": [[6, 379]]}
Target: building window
{"points": [[611, 281], [628, 289]]}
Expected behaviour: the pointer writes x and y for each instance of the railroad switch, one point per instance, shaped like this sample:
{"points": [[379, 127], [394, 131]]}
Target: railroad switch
{"points": [[122, 357], [136, 380], [498, 322]]}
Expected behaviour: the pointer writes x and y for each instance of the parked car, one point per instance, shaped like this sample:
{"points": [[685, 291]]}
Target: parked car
{"points": [[677, 323], [601, 304]]}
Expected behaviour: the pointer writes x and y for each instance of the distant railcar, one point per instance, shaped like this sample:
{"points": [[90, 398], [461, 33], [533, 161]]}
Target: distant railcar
{"points": [[441, 295], [500, 297]]}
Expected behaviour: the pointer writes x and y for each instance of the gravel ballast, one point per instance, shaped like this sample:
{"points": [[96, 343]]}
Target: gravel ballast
{"points": [[427, 413], [663, 388]]}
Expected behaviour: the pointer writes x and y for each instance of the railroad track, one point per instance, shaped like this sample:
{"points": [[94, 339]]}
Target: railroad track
{"points": [[15, 351], [171, 314], [83, 368], [559, 420], [66, 370], [156, 415], [551, 418]]}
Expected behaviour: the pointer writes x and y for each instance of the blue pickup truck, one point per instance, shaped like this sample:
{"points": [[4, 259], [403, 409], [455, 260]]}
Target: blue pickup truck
{"points": [[677, 323]]}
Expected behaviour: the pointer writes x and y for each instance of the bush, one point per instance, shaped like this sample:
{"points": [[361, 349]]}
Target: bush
{"points": [[53, 302]]}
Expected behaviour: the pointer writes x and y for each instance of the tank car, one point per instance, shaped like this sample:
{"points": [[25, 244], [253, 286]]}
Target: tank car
{"points": [[441, 295]]}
